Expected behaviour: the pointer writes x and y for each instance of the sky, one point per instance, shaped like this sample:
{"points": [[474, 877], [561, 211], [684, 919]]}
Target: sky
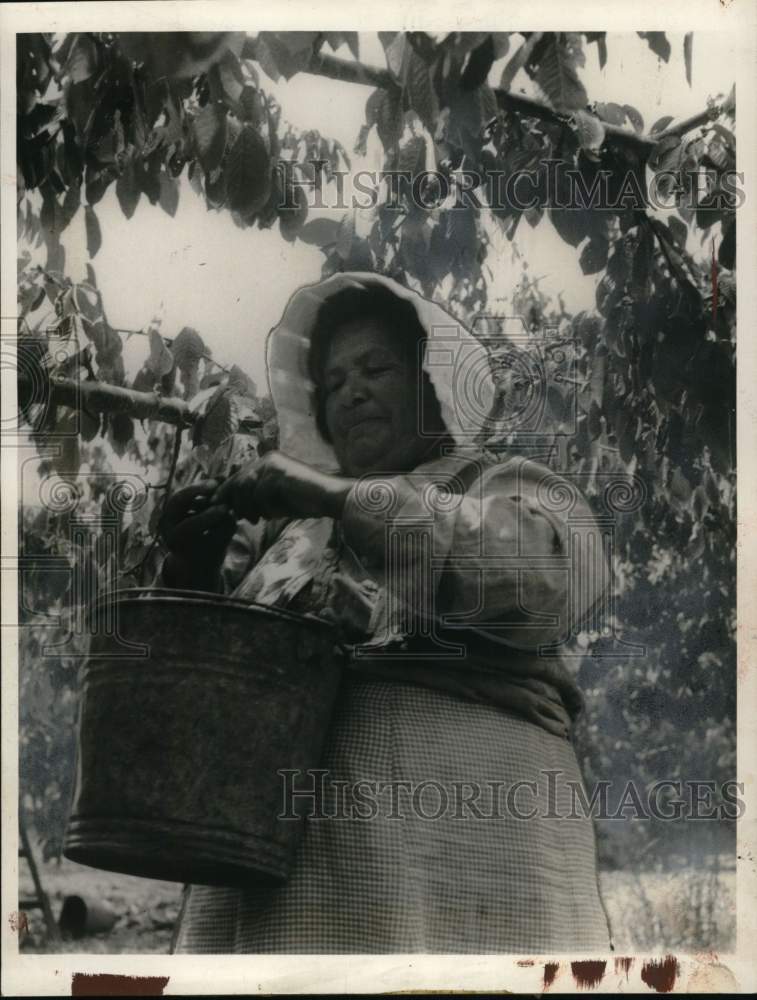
{"points": [[199, 269]]}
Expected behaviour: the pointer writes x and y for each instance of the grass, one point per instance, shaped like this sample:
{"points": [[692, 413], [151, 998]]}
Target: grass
{"points": [[682, 911]]}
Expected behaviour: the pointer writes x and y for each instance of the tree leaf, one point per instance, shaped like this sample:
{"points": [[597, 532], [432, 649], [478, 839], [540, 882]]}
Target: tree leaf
{"points": [[599, 37], [680, 487], [384, 110], [334, 39], [345, 235], [602, 50], [352, 40], [612, 113], [710, 487], [594, 421], [479, 62], [626, 426], [412, 156], [188, 348], [634, 117], [248, 172], [320, 232], [292, 217], [169, 194], [266, 58], [556, 72], [395, 53], [727, 248], [219, 421], [68, 459], [594, 255], [210, 392], [657, 42], [462, 239], [729, 104], [661, 124], [570, 223], [512, 68], [245, 415], [209, 130], [296, 42], [230, 76], [128, 190], [501, 43], [161, 360], [688, 44], [717, 428], [82, 61], [534, 215], [241, 384], [642, 264], [557, 402], [89, 425], [39, 298], [598, 371], [121, 432], [666, 154], [144, 380], [92, 226], [420, 90], [284, 53], [386, 38], [679, 231], [97, 182], [71, 203], [415, 249], [252, 106]]}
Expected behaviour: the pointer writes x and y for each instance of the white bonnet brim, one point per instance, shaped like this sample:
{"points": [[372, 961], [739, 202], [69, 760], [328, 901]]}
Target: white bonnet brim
{"points": [[456, 363]]}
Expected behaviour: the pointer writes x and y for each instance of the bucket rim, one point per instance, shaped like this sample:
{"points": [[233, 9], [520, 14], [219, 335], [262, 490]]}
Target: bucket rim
{"points": [[172, 595]]}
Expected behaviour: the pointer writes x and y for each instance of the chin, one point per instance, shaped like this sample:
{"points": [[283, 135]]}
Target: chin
{"points": [[384, 464], [365, 466], [370, 456]]}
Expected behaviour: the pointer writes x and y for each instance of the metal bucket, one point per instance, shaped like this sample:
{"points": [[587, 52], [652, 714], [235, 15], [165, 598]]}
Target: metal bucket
{"points": [[192, 704]]}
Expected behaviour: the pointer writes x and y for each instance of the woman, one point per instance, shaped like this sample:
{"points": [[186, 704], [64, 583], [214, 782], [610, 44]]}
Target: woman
{"points": [[447, 574]]}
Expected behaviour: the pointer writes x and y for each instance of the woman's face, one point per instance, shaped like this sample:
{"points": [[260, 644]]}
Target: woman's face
{"points": [[371, 401]]}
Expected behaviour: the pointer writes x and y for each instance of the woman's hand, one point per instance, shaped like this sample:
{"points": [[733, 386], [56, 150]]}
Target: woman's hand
{"points": [[278, 486], [197, 532]]}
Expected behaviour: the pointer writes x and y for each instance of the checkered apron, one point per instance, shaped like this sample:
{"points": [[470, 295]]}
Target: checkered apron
{"points": [[426, 873]]}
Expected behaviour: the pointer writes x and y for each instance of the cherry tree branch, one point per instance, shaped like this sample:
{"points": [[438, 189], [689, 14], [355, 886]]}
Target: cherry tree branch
{"points": [[346, 71], [100, 397]]}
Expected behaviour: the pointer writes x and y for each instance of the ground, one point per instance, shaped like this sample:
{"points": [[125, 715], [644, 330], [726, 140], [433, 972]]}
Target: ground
{"points": [[145, 909], [687, 910]]}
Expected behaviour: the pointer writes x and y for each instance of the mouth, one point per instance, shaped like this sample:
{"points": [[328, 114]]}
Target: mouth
{"points": [[363, 422]]}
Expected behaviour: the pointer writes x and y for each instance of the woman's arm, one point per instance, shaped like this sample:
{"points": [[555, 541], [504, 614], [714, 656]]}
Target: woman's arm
{"points": [[509, 557], [512, 548]]}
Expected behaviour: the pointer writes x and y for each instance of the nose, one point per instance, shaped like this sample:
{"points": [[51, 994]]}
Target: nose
{"points": [[353, 390]]}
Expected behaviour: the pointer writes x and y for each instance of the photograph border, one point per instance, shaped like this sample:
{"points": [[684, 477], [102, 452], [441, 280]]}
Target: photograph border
{"points": [[34, 974]]}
